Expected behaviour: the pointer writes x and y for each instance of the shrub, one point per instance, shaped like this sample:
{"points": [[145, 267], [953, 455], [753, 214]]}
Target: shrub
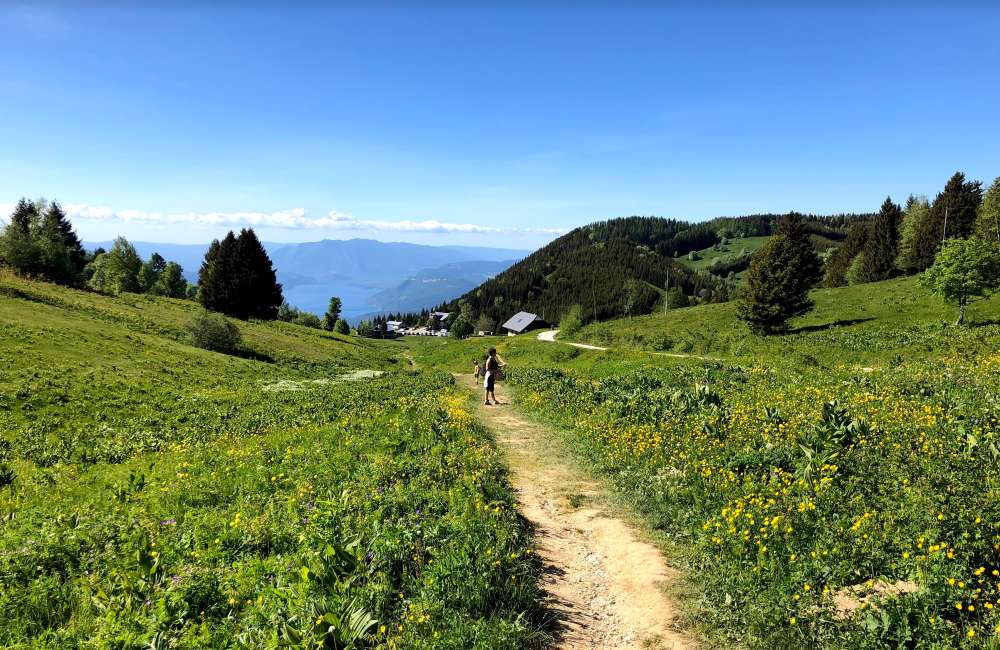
{"points": [[214, 332], [341, 327], [308, 319], [571, 321], [461, 328], [676, 299]]}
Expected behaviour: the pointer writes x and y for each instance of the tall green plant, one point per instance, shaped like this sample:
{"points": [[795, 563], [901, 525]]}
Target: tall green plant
{"points": [[779, 278], [988, 219]]}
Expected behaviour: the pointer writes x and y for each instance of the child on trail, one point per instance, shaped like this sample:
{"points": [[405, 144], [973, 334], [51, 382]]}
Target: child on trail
{"points": [[493, 366], [477, 370]]}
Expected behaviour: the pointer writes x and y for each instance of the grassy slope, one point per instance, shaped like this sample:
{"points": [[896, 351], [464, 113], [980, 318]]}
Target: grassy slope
{"points": [[751, 244], [896, 317], [160, 489], [776, 503]]}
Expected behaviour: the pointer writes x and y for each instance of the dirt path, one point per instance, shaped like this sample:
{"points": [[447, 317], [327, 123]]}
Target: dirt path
{"points": [[604, 585], [550, 336]]}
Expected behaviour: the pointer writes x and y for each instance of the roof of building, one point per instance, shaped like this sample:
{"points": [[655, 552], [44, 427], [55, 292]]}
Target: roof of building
{"points": [[442, 315], [519, 321]]}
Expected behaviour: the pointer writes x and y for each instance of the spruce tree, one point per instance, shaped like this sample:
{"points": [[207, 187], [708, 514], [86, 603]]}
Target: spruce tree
{"points": [[840, 261], [917, 211], [780, 277], [237, 278], [877, 260], [56, 262], [68, 236], [332, 314], [953, 214], [258, 288], [215, 275], [988, 219]]}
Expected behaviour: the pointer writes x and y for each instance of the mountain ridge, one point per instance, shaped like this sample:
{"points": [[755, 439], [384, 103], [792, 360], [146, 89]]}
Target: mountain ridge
{"points": [[353, 269]]}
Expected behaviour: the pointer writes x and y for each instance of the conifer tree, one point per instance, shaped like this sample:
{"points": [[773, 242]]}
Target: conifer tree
{"points": [[877, 260], [237, 278], [56, 264], [780, 277], [258, 288], [988, 219], [953, 214], [917, 211], [840, 261], [74, 247], [332, 314], [40, 242]]}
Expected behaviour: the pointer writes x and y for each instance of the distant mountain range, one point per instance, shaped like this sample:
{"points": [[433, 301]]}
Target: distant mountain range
{"points": [[369, 276]]}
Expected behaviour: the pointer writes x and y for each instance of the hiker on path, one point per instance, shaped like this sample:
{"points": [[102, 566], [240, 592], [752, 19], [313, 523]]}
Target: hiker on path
{"points": [[477, 370], [493, 366]]}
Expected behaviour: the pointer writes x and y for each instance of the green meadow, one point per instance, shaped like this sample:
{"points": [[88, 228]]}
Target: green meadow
{"points": [[155, 495], [834, 487]]}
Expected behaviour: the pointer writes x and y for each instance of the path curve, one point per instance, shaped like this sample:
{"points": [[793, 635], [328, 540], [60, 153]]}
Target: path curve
{"points": [[604, 585], [550, 336]]}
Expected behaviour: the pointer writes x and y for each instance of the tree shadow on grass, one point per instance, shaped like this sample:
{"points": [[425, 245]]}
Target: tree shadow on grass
{"points": [[826, 326], [253, 355]]}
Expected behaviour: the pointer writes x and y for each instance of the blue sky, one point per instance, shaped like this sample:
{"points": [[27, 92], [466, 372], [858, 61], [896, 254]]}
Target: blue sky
{"points": [[450, 124]]}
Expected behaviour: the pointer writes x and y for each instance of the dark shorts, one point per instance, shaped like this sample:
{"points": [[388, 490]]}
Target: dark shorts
{"points": [[491, 381]]}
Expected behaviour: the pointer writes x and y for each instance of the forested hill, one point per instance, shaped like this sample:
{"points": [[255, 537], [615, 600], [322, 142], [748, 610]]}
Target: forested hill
{"points": [[621, 267]]}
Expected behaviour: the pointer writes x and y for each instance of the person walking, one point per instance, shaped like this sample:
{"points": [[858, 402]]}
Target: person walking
{"points": [[477, 370], [493, 366]]}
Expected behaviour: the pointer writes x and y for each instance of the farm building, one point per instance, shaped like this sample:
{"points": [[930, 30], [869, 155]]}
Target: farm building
{"points": [[522, 322], [393, 325]]}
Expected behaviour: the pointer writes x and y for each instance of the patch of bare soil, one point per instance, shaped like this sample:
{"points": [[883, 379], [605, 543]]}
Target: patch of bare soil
{"points": [[849, 599], [604, 585]]}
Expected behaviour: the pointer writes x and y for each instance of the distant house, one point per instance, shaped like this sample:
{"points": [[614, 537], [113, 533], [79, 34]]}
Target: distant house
{"points": [[393, 325], [440, 315], [522, 322]]}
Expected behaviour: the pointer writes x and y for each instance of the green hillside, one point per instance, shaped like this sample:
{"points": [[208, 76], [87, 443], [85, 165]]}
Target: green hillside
{"points": [[619, 267], [835, 487], [876, 320], [158, 495], [732, 247]]}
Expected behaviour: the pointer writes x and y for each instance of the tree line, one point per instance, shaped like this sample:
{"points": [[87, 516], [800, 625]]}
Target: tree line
{"points": [[39, 241], [954, 242], [236, 277]]}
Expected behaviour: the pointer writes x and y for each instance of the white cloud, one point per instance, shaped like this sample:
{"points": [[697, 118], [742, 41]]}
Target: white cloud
{"points": [[295, 219]]}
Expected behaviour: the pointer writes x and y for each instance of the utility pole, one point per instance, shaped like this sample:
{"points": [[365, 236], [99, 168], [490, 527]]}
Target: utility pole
{"points": [[666, 287]]}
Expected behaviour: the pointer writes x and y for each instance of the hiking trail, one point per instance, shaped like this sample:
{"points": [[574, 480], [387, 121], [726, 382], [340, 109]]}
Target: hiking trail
{"points": [[603, 584], [550, 337]]}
